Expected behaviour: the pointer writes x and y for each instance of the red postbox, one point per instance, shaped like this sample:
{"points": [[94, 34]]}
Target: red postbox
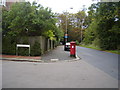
{"points": [[72, 49]]}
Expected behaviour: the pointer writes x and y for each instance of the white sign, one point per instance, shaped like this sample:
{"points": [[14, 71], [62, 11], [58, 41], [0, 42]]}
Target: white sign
{"points": [[21, 45]]}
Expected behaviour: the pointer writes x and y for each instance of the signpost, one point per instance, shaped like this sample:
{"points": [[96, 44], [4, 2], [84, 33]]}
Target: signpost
{"points": [[22, 45], [66, 36]]}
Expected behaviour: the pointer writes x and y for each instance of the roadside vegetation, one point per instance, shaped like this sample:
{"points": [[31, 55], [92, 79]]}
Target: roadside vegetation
{"points": [[100, 29], [26, 19], [98, 48], [104, 26]]}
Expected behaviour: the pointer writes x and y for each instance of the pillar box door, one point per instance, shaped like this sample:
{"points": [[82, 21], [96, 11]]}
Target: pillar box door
{"points": [[72, 49]]}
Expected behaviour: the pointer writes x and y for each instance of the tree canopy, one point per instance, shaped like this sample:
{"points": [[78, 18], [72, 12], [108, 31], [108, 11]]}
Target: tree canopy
{"points": [[104, 25], [25, 19], [74, 23], [101, 27]]}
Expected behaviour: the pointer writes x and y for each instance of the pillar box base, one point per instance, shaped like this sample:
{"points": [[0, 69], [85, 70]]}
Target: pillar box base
{"points": [[73, 56]]}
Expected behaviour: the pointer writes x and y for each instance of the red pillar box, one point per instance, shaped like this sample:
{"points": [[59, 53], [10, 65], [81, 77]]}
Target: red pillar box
{"points": [[72, 49]]}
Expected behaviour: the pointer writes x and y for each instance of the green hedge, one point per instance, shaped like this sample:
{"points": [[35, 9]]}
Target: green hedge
{"points": [[36, 49], [9, 47]]}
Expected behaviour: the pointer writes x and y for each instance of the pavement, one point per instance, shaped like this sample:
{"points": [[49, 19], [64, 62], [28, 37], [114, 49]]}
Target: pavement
{"points": [[57, 54], [20, 58]]}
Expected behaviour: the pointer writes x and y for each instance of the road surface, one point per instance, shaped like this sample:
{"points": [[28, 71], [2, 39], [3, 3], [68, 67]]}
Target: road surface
{"points": [[107, 62], [96, 69], [76, 74]]}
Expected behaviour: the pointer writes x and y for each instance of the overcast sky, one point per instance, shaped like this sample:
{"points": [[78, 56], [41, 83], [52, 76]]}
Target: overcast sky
{"points": [[62, 5]]}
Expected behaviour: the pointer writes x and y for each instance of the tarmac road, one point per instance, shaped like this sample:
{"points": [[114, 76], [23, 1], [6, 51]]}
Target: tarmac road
{"points": [[107, 62], [76, 74]]}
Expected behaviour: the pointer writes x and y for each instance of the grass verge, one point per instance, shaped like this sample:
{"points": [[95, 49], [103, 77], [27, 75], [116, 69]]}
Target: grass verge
{"points": [[97, 48]]}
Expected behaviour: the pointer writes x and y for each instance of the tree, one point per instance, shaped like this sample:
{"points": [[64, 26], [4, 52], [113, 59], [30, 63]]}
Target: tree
{"points": [[25, 19], [75, 22], [104, 24]]}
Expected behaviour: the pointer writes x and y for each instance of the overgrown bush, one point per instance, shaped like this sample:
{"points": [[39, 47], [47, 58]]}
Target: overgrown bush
{"points": [[22, 51], [96, 42], [77, 43], [36, 49], [25, 40], [8, 45]]}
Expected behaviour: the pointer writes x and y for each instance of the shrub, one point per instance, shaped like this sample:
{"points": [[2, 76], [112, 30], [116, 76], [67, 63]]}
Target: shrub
{"points": [[8, 45], [23, 51], [36, 49], [77, 43]]}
